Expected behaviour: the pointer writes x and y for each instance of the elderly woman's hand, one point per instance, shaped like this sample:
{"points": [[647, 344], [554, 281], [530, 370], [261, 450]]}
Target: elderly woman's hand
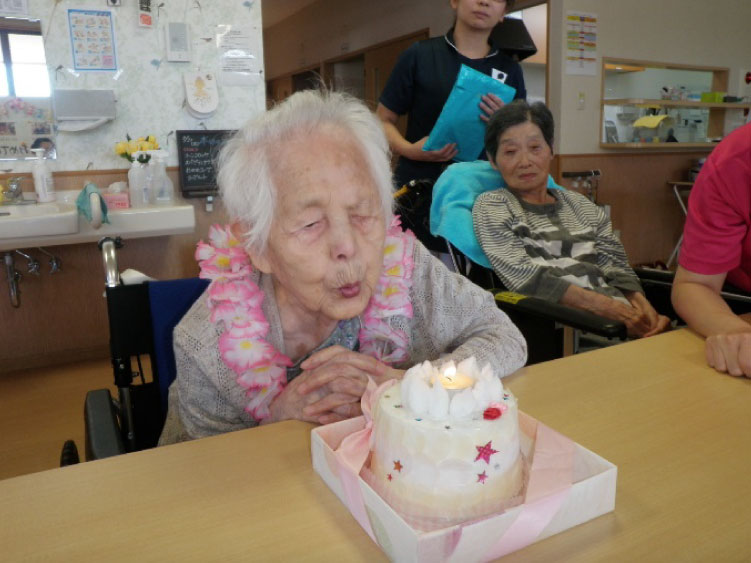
{"points": [[300, 401], [648, 321], [291, 402], [343, 374]]}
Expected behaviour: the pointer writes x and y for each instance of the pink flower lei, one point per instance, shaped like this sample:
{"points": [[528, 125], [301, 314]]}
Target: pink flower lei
{"points": [[234, 301]]}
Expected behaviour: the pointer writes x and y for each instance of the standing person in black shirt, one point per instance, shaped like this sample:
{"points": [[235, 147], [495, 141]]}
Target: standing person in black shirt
{"points": [[424, 76]]}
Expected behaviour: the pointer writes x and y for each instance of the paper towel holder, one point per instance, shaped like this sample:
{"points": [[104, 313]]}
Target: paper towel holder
{"points": [[83, 110]]}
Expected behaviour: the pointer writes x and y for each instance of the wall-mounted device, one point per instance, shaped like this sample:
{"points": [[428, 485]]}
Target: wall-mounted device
{"points": [[178, 43], [83, 110]]}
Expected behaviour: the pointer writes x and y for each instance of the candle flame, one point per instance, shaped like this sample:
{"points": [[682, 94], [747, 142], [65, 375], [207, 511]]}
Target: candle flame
{"points": [[450, 379]]}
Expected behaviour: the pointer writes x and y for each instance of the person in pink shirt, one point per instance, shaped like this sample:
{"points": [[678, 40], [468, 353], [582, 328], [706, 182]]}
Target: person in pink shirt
{"points": [[717, 249]]}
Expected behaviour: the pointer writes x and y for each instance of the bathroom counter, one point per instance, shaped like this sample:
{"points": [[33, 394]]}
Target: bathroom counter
{"points": [[152, 221]]}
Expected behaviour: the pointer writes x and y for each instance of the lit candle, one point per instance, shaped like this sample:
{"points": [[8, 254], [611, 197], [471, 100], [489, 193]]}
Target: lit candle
{"points": [[450, 379]]}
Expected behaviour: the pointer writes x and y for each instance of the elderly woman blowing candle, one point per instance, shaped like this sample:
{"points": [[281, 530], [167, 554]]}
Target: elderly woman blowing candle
{"points": [[315, 286]]}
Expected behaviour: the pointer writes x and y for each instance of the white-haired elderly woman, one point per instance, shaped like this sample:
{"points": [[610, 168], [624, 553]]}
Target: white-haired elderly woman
{"points": [[315, 287]]}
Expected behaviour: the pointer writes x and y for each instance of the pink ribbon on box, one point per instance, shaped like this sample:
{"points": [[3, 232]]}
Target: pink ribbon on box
{"points": [[352, 453], [549, 483]]}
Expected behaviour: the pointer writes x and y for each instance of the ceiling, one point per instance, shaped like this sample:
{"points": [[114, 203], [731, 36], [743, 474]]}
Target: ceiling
{"points": [[274, 11]]}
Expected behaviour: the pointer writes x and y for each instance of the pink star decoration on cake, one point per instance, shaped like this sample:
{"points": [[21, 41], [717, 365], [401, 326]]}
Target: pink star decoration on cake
{"points": [[398, 466], [484, 452], [481, 477]]}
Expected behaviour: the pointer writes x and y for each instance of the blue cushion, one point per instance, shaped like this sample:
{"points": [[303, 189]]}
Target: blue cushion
{"points": [[454, 195], [169, 301], [459, 121]]}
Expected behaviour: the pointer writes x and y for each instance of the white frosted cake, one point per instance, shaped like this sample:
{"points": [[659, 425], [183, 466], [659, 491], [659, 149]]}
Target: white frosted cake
{"points": [[446, 444]]}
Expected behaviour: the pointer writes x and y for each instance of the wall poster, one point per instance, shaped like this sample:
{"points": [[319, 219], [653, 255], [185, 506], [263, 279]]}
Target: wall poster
{"points": [[92, 38], [581, 43]]}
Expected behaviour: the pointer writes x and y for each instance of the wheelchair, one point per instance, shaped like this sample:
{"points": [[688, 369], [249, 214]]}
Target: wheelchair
{"points": [[141, 318], [541, 322]]}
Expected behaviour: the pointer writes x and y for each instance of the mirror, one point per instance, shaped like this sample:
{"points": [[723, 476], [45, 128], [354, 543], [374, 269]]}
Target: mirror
{"points": [[26, 116], [651, 104]]}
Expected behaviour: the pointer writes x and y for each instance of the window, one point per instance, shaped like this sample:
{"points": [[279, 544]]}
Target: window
{"points": [[25, 73]]}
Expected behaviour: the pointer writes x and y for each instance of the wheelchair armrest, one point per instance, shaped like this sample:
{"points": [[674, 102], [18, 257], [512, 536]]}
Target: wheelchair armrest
{"points": [[103, 437], [653, 275], [575, 318]]}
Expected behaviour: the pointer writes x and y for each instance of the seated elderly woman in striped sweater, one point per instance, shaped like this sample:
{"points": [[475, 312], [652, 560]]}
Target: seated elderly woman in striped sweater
{"points": [[553, 244]]}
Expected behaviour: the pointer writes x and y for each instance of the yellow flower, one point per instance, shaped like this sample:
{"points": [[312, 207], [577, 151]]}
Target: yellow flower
{"points": [[151, 139], [132, 146], [121, 148]]}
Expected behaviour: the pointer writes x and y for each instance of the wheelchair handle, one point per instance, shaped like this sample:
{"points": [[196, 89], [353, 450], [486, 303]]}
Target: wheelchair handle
{"points": [[108, 246]]}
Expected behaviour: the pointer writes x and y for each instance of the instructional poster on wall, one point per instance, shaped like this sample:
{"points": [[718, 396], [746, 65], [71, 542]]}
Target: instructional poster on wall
{"points": [[92, 38], [581, 43], [237, 62]]}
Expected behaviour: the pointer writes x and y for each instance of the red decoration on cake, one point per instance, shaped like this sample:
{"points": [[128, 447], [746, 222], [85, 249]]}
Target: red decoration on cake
{"points": [[389, 477], [484, 452], [495, 410], [481, 477], [398, 466], [491, 413]]}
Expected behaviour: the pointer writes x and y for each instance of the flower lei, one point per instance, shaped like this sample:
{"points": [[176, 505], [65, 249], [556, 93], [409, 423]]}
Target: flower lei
{"points": [[234, 301]]}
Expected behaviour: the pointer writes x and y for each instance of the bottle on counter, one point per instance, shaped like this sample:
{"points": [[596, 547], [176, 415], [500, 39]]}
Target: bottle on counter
{"points": [[139, 188], [44, 185], [162, 186]]}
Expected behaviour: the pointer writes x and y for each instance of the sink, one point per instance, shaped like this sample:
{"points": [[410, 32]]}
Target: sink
{"points": [[40, 219], [58, 223]]}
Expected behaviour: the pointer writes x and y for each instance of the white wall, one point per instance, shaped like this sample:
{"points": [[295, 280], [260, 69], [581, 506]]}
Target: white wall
{"points": [[694, 32], [149, 89]]}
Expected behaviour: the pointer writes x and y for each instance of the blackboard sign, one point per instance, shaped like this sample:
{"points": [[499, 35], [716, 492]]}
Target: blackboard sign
{"points": [[197, 152]]}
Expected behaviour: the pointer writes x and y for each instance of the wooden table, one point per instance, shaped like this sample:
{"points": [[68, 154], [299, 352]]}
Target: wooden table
{"points": [[679, 432]]}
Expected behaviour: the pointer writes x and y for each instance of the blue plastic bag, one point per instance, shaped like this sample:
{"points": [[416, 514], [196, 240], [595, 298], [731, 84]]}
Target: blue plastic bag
{"points": [[460, 121]]}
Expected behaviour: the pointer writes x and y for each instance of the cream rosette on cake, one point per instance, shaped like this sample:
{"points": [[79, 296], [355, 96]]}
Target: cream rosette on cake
{"points": [[445, 444]]}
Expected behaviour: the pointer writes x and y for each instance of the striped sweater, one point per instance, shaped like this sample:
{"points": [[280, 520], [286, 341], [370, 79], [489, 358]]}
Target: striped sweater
{"points": [[541, 249]]}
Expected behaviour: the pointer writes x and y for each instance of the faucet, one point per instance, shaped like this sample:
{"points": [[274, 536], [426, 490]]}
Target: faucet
{"points": [[14, 195], [33, 263]]}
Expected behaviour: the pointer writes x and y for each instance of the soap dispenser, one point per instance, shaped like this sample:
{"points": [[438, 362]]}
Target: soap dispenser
{"points": [[43, 183]]}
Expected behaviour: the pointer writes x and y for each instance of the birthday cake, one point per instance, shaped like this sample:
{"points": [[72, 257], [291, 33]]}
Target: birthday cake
{"points": [[445, 444]]}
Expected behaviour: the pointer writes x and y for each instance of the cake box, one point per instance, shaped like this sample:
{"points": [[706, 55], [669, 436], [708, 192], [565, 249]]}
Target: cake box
{"points": [[567, 485]]}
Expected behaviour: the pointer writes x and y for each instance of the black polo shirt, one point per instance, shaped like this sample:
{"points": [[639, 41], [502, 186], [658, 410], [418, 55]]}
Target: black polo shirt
{"points": [[421, 83]]}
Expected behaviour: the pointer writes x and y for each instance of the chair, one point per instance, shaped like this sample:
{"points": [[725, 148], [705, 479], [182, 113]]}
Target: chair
{"points": [[141, 320], [413, 205], [541, 322]]}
